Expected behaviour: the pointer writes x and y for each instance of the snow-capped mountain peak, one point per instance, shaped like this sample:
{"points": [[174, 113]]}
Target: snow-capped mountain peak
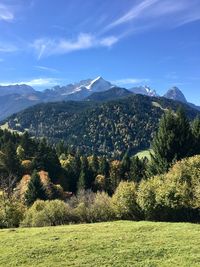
{"points": [[99, 85], [144, 90]]}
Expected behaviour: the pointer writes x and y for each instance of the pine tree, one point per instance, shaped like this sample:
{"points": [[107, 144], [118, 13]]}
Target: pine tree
{"points": [[137, 169], [125, 167], [93, 170], [28, 146], [183, 137], [35, 190], [81, 181], [196, 135], [104, 169], [84, 181], [95, 165], [172, 142], [9, 160], [47, 160]]}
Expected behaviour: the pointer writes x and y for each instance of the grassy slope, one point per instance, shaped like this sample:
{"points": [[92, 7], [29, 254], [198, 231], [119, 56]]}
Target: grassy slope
{"points": [[115, 244], [144, 153]]}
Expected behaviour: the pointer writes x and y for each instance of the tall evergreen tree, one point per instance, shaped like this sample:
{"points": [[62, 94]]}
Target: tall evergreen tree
{"points": [[172, 142], [137, 169], [81, 181], [35, 190], [9, 160], [196, 135], [47, 160], [125, 166], [84, 179], [104, 169]]}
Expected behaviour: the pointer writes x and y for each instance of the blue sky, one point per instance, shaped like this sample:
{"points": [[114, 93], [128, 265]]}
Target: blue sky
{"points": [[129, 42]]}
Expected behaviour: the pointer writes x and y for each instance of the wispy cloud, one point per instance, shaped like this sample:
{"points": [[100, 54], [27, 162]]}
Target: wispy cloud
{"points": [[7, 48], [134, 13], [46, 47], [147, 11], [44, 68], [6, 13], [129, 81], [40, 82]]}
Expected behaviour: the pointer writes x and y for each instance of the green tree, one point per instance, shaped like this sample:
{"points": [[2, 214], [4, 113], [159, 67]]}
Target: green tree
{"points": [[196, 135], [47, 160], [172, 142], [35, 190], [137, 169], [84, 179], [9, 160], [125, 167], [124, 201]]}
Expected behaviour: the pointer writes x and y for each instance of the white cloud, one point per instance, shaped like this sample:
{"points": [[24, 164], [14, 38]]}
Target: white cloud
{"points": [[47, 47], [7, 48], [160, 12], [129, 81], [35, 82], [134, 13], [43, 68], [6, 13]]}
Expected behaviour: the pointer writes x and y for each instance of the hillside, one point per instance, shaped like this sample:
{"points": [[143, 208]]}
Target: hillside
{"points": [[108, 128], [111, 94], [116, 244]]}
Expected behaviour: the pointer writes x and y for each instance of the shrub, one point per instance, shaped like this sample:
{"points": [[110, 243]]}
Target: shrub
{"points": [[11, 213], [102, 209], [146, 197], [174, 196], [124, 201], [47, 213], [90, 207]]}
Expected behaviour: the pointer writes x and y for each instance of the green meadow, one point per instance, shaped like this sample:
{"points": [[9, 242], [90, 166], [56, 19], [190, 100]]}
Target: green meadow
{"points": [[116, 244]]}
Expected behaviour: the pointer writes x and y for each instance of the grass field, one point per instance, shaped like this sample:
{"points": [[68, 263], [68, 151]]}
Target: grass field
{"points": [[144, 153], [117, 244]]}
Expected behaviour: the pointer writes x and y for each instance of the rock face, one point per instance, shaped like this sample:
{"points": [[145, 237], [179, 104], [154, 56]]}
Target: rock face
{"points": [[143, 90], [175, 94]]}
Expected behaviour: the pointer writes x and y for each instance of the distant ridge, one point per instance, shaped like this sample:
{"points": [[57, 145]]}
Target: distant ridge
{"points": [[14, 98]]}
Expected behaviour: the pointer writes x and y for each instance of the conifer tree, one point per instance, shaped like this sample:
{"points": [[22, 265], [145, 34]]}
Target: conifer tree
{"points": [[84, 179], [35, 190], [104, 169], [125, 166], [9, 160], [196, 135], [137, 169], [172, 142], [81, 181]]}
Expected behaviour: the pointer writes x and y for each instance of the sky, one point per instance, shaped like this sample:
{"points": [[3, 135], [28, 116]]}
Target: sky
{"points": [[131, 42]]}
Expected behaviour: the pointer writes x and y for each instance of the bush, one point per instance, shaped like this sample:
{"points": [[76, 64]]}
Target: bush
{"points": [[102, 209], [124, 201], [174, 196], [146, 197], [47, 213], [11, 213], [90, 207]]}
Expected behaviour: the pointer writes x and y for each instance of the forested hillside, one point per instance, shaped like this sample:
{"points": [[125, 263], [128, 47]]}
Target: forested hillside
{"points": [[107, 128]]}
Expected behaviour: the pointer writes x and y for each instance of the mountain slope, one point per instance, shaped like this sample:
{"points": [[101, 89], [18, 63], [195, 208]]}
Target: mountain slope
{"points": [[22, 89], [14, 98], [143, 90], [175, 94], [108, 128], [111, 94]]}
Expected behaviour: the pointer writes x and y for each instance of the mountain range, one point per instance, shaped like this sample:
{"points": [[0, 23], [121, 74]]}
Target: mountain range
{"points": [[106, 123], [14, 98]]}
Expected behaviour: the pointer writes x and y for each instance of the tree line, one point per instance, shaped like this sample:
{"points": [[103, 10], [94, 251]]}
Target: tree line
{"points": [[20, 155]]}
